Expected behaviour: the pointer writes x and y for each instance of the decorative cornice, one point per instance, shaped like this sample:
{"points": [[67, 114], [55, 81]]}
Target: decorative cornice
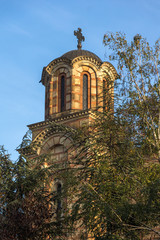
{"points": [[55, 61], [46, 133], [93, 60], [70, 62], [111, 67], [28, 150], [51, 127], [99, 65], [32, 149], [59, 119]]}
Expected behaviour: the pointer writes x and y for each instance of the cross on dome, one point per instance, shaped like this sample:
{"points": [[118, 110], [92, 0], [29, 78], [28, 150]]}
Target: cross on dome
{"points": [[80, 37]]}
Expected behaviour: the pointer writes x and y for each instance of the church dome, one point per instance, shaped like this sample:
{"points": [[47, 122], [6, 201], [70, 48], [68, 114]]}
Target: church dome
{"points": [[77, 53]]}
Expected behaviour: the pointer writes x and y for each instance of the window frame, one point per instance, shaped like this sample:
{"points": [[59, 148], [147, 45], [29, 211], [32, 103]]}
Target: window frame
{"points": [[89, 90], [60, 109]]}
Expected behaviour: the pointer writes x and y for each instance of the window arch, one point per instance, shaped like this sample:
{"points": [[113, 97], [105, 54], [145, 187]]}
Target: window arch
{"points": [[85, 91]]}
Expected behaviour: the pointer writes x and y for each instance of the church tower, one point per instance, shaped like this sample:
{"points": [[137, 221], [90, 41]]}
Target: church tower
{"points": [[73, 86]]}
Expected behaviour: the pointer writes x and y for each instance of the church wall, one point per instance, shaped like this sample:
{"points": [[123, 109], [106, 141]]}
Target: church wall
{"points": [[80, 69]]}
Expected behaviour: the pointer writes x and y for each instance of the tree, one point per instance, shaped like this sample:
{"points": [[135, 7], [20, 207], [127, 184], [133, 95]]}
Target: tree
{"points": [[116, 192], [115, 173], [6, 176], [138, 66], [26, 202]]}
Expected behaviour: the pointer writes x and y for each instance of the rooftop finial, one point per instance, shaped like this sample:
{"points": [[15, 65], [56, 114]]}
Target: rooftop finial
{"points": [[80, 37]]}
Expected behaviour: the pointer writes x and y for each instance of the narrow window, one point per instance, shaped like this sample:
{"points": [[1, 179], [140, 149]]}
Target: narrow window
{"points": [[62, 93], [47, 98], [59, 201], [85, 92], [104, 95]]}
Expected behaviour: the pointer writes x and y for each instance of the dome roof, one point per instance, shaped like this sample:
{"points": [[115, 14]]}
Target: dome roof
{"points": [[76, 53]]}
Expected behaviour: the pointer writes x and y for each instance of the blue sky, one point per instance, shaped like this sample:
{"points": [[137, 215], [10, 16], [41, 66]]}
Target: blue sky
{"points": [[34, 32]]}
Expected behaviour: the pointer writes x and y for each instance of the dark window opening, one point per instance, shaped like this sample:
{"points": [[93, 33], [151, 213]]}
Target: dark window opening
{"points": [[85, 92], [59, 193], [62, 93], [104, 95]]}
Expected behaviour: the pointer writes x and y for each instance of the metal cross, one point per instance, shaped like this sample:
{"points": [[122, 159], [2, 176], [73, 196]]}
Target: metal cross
{"points": [[80, 37]]}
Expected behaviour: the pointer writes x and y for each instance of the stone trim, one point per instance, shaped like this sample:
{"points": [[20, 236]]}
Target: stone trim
{"points": [[109, 66], [80, 58], [60, 119]]}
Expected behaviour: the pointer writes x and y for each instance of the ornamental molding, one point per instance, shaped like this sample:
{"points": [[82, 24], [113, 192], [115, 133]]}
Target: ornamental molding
{"points": [[54, 130], [49, 70], [34, 148], [90, 59], [110, 69], [46, 133], [67, 61], [59, 119], [57, 61]]}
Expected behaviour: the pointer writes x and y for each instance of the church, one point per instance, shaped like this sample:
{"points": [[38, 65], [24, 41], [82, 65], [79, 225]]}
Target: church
{"points": [[74, 83]]}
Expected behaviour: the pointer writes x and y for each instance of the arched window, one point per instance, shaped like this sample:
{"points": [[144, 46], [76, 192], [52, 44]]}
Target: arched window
{"points": [[62, 107], [85, 91]]}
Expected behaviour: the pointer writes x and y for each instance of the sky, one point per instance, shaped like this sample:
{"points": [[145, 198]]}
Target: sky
{"points": [[34, 32]]}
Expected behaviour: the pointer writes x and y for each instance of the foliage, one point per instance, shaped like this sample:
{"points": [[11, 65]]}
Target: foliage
{"points": [[138, 65], [25, 199], [115, 171], [117, 192]]}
